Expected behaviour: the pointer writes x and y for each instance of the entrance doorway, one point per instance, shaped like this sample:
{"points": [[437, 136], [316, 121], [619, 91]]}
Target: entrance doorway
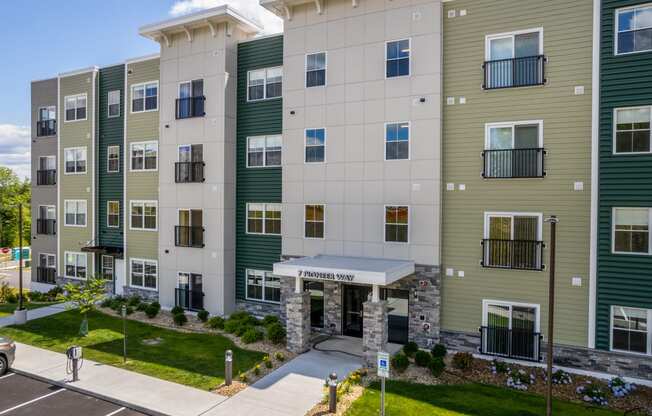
{"points": [[352, 299], [397, 315]]}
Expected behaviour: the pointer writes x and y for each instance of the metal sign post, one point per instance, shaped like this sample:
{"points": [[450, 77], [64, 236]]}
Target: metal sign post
{"points": [[124, 333], [383, 373]]}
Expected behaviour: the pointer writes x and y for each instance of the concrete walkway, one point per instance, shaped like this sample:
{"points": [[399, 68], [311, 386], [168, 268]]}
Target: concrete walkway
{"points": [[36, 313]]}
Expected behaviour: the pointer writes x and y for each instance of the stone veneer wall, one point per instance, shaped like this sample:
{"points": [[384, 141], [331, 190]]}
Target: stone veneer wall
{"points": [[298, 322], [149, 295], [60, 281], [374, 330]]}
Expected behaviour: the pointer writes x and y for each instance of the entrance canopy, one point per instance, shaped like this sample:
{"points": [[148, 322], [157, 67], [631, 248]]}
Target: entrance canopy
{"points": [[364, 270]]}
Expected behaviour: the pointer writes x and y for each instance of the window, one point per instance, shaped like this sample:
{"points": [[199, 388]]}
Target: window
{"points": [[47, 113], [397, 219], [513, 240], [630, 330], [314, 221], [632, 130], [514, 59], [315, 145], [47, 260], [634, 29], [114, 104], [75, 213], [75, 160], [113, 214], [47, 212], [263, 151], [113, 159], [144, 97], [189, 89], [513, 149], [190, 231], [75, 265], [107, 267], [191, 153], [316, 69], [397, 58], [144, 156], [143, 215], [189, 291], [191, 99], [397, 141], [264, 83], [75, 106], [263, 286], [144, 274], [263, 218], [46, 271], [632, 230], [46, 124], [510, 329]]}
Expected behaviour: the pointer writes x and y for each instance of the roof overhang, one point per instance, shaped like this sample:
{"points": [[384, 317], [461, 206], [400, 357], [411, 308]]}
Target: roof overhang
{"points": [[209, 18], [342, 269], [283, 8]]}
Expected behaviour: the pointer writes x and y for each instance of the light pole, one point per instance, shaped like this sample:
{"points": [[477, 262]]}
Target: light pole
{"points": [[20, 257], [551, 310], [124, 333]]}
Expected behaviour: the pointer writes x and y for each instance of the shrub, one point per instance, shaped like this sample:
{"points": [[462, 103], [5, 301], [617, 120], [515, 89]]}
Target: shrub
{"points": [[202, 315], [499, 367], [519, 379], [276, 333], [239, 315], [436, 366], [410, 349], [180, 319], [176, 310], [439, 350], [54, 293], [129, 310], [151, 311], [267, 361], [106, 303], [142, 306], [462, 360], [251, 335], [216, 322], [619, 387], [592, 393], [133, 301], [156, 305], [257, 369], [11, 298], [231, 326], [422, 358], [279, 356], [400, 362], [270, 319], [35, 296], [559, 376], [241, 329], [243, 377]]}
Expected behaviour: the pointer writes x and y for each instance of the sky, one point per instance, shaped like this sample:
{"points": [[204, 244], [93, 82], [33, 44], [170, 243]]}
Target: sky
{"points": [[45, 37]]}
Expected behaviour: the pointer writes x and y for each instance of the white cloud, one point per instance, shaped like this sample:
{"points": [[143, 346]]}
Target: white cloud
{"points": [[250, 8], [15, 149]]}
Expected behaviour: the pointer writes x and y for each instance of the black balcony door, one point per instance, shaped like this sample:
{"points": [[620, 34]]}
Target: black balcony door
{"points": [[190, 292], [191, 99], [352, 315], [512, 242], [511, 331]]}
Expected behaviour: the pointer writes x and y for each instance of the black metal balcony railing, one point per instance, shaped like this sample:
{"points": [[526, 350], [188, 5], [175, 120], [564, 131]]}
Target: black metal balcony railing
{"points": [[512, 254], [46, 128], [514, 72], [191, 300], [46, 177], [190, 107], [522, 344], [186, 172], [46, 275], [513, 163], [185, 236], [48, 227]]}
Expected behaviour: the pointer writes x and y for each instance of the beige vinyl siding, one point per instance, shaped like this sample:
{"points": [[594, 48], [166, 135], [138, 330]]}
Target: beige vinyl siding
{"points": [[567, 43], [140, 185], [75, 134]]}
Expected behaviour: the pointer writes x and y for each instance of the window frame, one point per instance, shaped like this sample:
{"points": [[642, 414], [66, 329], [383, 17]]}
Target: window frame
{"points": [[264, 165], [537, 308], [65, 108], [108, 103], [305, 70], [65, 265], [617, 13], [409, 140], [264, 217], [131, 152], [108, 158], [143, 261], [263, 286], [50, 109], [65, 213], [490, 214], [512, 34], [84, 149], [143, 203], [648, 334], [265, 97], [323, 237], [54, 208], [614, 128], [385, 224], [48, 256], [102, 268], [144, 85], [613, 232], [305, 145], [387, 42], [108, 214], [513, 125]]}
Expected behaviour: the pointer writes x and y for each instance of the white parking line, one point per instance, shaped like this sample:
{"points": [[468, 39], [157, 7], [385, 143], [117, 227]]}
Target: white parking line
{"points": [[116, 412], [31, 401], [7, 375]]}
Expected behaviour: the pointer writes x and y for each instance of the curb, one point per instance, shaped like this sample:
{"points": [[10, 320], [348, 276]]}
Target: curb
{"points": [[80, 390]]}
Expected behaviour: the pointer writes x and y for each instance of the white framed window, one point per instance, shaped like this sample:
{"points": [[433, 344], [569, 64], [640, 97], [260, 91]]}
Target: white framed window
{"points": [[263, 286], [264, 151], [75, 160], [47, 113], [517, 44], [143, 215], [397, 141], [263, 218], [511, 315], [264, 83], [524, 226], [75, 107], [631, 231], [514, 59], [513, 149], [144, 97], [512, 240], [47, 163], [113, 214], [397, 223], [74, 212], [143, 274], [47, 260], [108, 267], [631, 330], [316, 69], [113, 159], [113, 105], [514, 135], [144, 156], [505, 320], [75, 265], [397, 58], [632, 130], [315, 145], [314, 222], [633, 29]]}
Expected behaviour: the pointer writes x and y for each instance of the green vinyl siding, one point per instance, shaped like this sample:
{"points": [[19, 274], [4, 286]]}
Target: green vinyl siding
{"points": [[110, 133], [256, 184], [625, 180]]}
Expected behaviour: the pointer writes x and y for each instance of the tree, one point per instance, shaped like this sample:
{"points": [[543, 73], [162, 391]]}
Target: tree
{"points": [[84, 297], [12, 193]]}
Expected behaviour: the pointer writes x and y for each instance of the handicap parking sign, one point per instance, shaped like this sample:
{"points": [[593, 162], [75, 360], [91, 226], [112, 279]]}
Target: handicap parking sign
{"points": [[383, 364]]}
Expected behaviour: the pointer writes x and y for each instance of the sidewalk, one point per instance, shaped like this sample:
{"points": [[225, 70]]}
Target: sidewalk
{"points": [[36, 313]]}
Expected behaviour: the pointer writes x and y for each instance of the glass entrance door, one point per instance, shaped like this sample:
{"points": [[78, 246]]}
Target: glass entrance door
{"points": [[353, 298], [397, 315]]}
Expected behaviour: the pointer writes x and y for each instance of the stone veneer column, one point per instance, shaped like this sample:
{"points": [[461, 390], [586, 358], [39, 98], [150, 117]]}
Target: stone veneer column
{"points": [[374, 330], [298, 322]]}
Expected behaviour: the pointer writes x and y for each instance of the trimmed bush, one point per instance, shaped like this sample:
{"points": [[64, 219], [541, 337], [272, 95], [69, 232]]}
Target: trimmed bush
{"points": [[106, 303], [400, 362], [240, 330], [276, 333], [279, 356], [151, 311], [251, 335], [216, 322], [243, 377], [156, 305], [422, 358], [180, 319], [142, 306], [267, 361], [439, 350], [133, 301], [257, 369], [176, 310], [462, 360], [410, 349], [436, 366], [239, 315], [202, 315], [129, 310], [231, 325], [270, 319]]}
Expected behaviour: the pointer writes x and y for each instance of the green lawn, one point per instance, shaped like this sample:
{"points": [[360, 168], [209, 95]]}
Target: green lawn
{"points": [[7, 309], [193, 359], [456, 400]]}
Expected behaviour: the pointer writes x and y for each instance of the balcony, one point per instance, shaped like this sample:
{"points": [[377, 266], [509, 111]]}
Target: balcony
{"points": [[46, 128], [512, 254], [47, 227], [514, 72], [46, 177], [520, 344], [513, 163], [189, 172], [46, 275], [190, 107], [191, 300], [185, 236]]}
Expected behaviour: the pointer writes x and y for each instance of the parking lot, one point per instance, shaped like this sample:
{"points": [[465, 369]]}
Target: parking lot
{"points": [[21, 395]]}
